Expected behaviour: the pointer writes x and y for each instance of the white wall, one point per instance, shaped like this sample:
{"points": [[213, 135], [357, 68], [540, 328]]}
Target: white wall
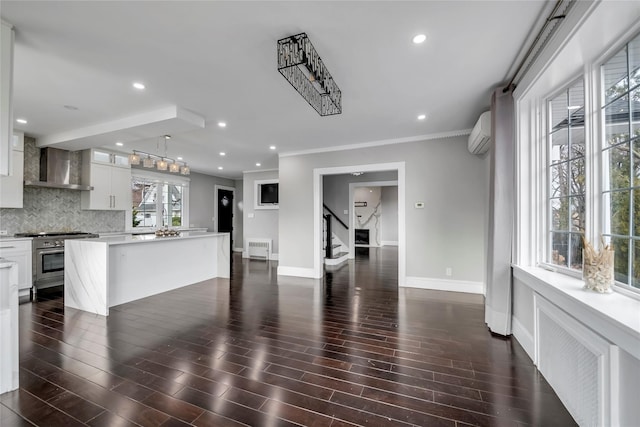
{"points": [[448, 232], [389, 217], [264, 223]]}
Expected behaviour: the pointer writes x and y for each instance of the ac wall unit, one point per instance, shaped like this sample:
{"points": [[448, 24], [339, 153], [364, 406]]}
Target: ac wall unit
{"points": [[480, 137]]}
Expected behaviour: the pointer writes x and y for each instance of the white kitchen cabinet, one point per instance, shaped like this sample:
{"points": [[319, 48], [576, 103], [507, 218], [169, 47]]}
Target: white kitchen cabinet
{"points": [[110, 175], [19, 251], [11, 186]]}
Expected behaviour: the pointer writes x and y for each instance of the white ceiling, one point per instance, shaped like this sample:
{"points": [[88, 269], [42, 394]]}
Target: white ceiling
{"points": [[218, 60]]}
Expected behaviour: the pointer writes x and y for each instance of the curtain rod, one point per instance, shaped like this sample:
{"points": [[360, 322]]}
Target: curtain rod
{"points": [[552, 17]]}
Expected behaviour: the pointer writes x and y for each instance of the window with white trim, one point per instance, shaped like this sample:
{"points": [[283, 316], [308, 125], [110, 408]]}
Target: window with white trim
{"points": [[566, 177], [621, 160], [158, 201]]}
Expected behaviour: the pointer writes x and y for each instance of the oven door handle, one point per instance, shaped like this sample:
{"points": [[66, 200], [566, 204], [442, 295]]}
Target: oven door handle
{"points": [[50, 251]]}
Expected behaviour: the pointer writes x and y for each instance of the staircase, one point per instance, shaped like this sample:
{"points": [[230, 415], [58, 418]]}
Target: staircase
{"points": [[336, 252]]}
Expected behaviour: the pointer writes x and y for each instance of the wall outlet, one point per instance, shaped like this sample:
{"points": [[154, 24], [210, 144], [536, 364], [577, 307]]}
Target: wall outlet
{"points": [[213, 219], [3, 232], [346, 212], [448, 271], [250, 215]]}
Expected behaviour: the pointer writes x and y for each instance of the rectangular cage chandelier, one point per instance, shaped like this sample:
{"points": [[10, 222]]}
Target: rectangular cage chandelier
{"points": [[301, 65]]}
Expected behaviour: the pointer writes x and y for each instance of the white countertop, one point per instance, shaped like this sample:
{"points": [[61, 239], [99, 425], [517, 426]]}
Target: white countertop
{"points": [[125, 239], [13, 239], [145, 231]]}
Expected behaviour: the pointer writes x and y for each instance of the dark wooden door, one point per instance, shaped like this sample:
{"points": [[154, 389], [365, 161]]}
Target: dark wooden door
{"points": [[225, 215]]}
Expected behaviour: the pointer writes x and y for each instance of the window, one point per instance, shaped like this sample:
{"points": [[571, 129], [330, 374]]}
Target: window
{"points": [[566, 177], [158, 202], [621, 160]]}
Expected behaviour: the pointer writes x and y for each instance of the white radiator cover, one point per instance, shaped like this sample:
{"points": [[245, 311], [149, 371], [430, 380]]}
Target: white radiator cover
{"points": [[259, 248], [580, 365]]}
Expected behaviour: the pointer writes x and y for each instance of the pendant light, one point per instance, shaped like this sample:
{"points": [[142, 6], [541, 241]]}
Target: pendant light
{"points": [[161, 164], [148, 162], [134, 158]]}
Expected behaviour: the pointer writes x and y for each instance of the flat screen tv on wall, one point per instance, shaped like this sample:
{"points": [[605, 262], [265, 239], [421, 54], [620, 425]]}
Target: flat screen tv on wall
{"points": [[269, 194]]}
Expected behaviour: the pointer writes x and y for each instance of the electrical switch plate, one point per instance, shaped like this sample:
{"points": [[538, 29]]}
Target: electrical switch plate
{"points": [[250, 215], [346, 212], [448, 271], [419, 205]]}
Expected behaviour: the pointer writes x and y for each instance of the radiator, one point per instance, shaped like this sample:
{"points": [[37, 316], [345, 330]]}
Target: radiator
{"points": [[259, 248], [580, 365]]}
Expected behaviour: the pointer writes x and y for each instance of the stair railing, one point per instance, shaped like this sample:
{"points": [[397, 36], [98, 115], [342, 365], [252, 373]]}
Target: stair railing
{"points": [[328, 240]]}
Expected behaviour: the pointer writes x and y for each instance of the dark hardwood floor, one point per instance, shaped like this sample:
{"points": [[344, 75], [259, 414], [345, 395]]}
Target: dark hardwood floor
{"points": [[261, 351]]}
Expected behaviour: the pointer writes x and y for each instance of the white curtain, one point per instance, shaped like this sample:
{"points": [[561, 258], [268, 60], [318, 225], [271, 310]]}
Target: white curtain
{"points": [[501, 212]]}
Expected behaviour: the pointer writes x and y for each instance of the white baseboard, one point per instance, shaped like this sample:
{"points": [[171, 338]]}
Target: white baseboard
{"points": [[389, 243], [274, 257], [297, 272], [523, 336], [443, 284]]}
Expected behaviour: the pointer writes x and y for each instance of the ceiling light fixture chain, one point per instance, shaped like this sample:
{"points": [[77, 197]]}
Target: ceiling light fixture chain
{"points": [[302, 67]]}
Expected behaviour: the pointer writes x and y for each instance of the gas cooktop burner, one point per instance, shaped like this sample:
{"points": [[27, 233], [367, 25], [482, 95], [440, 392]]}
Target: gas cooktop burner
{"points": [[54, 234]]}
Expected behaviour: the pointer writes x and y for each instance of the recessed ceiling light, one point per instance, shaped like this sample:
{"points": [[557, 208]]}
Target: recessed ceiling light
{"points": [[273, 147], [258, 164], [119, 144], [138, 85], [70, 107], [422, 116], [220, 168], [222, 124], [179, 158], [420, 38], [222, 153], [22, 121]]}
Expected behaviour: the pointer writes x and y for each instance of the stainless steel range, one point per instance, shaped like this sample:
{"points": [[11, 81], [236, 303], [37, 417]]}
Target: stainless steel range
{"points": [[48, 257]]}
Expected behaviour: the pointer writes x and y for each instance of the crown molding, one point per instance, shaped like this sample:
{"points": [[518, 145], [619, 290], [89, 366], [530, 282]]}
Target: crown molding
{"points": [[417, 138]]}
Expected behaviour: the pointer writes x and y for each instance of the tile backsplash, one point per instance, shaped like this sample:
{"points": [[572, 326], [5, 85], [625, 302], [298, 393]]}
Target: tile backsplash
{"points": [[52, 209]]}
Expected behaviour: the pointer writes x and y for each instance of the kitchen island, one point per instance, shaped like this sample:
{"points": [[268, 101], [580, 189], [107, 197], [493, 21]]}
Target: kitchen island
{"points": [[108, 271]]}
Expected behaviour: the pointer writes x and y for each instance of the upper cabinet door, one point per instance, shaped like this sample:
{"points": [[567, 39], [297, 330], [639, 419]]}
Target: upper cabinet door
{"points": [[12, 186]]}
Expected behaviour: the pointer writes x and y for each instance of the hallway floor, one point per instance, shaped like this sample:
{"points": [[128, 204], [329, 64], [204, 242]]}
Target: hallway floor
{"points": [[260, 350]]}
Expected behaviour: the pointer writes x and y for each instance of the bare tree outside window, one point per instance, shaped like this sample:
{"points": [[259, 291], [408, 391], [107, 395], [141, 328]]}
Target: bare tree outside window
{"points": [[621, 160], [566, 177]]}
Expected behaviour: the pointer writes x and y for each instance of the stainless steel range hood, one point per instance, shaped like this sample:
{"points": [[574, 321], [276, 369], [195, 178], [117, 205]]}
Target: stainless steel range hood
{"points": [[55, 171]]}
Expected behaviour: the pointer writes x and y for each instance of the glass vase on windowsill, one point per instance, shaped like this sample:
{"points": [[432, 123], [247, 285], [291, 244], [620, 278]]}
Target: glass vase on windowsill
{"points": [[597, 267]]}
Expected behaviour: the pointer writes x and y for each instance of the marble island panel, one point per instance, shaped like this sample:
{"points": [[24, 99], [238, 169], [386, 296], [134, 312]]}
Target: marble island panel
{"points": [[112, 270]]}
